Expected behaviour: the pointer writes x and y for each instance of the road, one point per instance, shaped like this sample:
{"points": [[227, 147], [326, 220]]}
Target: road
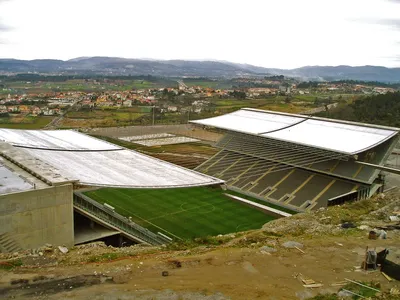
{"points": [[56, 121]]}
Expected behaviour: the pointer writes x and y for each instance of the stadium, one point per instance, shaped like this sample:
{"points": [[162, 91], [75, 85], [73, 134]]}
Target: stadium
{"points": [[299, 162], [66, 188]]}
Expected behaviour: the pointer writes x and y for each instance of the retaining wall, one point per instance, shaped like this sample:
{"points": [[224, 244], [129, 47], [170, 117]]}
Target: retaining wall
{"points": [[36, 217]]}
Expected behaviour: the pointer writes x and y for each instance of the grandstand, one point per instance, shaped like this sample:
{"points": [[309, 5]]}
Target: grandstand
{"points": [[296, 161], [43, 172]]}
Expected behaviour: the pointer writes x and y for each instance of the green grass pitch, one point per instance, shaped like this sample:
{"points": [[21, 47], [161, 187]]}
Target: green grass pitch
{"points": [[182, 213]]}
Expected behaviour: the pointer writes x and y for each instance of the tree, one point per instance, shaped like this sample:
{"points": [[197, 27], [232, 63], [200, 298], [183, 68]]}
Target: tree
{"points": [[238, 94], [378, 109]]}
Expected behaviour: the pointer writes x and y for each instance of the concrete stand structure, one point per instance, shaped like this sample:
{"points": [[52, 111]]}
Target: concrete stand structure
{"points": [[39, 171], [30, 219]]}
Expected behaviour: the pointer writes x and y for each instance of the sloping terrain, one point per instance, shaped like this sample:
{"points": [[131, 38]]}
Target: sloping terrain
{"points": [[260, 264]]}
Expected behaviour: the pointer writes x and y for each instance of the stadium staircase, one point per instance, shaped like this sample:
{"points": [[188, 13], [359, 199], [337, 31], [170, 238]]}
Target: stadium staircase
{"points": [[8, 244], [110, 219]]}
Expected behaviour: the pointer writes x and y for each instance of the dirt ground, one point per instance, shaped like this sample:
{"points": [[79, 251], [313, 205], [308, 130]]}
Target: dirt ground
{"points": [[184, 130], [241, 267], [221, 273]]}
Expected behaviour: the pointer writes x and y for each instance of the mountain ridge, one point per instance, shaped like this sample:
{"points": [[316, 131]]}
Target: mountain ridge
{"points": [[102, 65]]}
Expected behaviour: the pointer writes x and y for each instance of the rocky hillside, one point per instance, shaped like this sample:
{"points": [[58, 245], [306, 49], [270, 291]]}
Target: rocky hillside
{"points": [[307, 256]]}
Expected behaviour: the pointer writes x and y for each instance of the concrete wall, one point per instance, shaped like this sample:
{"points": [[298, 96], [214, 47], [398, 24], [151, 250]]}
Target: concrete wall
{"points": [[36, 217]]}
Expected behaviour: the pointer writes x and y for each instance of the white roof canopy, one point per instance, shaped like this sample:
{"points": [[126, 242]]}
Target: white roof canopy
{"points": [[333, 135], [97, 163], [122, 168], [54, 139]]}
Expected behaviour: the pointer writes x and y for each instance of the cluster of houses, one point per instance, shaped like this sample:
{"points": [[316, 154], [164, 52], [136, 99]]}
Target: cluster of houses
{"points": [[344, 87], [319, 88], [169, 99], [29, 109], [357, 89], [119, 99], [41, 104]]}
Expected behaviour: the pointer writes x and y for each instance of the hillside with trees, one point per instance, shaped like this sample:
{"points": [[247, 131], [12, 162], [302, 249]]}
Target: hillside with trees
{"points": [[377, 109]]}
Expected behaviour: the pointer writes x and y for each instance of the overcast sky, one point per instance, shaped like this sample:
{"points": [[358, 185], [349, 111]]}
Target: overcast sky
{"points": [[269, 33]]}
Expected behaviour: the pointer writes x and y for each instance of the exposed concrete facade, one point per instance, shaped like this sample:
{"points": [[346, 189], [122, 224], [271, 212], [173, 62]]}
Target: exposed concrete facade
{"points": [[36, 217]]}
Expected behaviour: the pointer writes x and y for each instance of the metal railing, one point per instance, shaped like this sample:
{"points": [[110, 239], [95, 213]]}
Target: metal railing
{"points": [[360, 194], [116, 220]]}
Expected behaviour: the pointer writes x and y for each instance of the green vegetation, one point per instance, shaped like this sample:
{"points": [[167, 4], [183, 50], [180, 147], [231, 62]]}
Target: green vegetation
{"points": [[367, 83], [33, 83], [104, 257], [201, 241], [206, 82], [114, 114], [183, 213], [102, 118], [354, 288], [223, 106], [296, 104], [11, 264], [25, 122], [379, 109]]}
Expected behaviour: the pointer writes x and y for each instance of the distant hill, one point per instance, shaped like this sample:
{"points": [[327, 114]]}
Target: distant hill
{"points": [[182, 68]]}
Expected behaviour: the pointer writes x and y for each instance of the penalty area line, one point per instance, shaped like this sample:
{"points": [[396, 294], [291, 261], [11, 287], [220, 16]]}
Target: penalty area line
{"points": [[144, 220], [152, 224]]}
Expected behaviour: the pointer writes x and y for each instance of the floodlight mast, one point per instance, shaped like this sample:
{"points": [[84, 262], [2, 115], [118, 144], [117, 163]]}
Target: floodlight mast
{"points": [[154, 107]]}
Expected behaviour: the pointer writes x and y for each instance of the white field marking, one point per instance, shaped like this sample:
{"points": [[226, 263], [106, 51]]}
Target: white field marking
{"points": [[243, 224], [130, 213], [255, 204], [185, 210], [147, 221]]}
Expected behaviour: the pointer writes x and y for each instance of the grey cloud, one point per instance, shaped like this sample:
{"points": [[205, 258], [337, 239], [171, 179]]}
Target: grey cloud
{"points": [[3, 27], [393, 23]]}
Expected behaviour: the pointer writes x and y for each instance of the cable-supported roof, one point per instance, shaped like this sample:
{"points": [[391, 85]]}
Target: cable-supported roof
{"points": [[97, 163], [54, 140], [328, 134]]}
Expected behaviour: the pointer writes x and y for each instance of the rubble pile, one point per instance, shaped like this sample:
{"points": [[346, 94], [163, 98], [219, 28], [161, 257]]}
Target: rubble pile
{"points": [[52, 255], [374, 214]]}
